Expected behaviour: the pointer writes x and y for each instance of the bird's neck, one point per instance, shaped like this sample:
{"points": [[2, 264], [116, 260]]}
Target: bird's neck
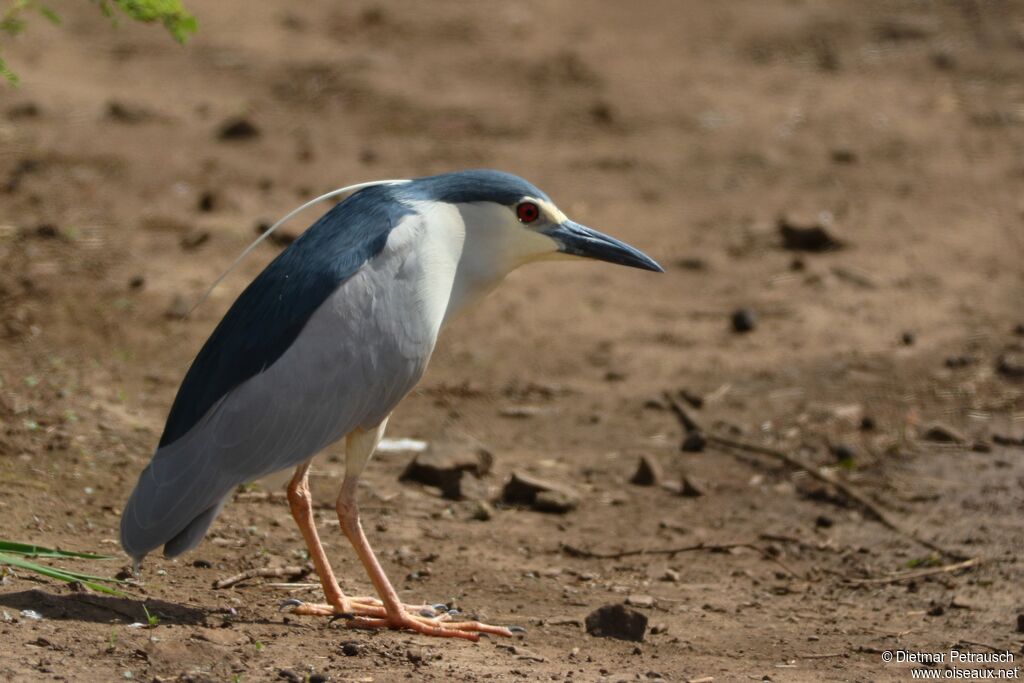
{"points": [[472, 247]]}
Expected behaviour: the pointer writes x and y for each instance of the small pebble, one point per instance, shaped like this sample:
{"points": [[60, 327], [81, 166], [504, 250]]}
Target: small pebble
{"points": [[648, 472], [207, 202], [1011, 365], [843, 454], [941, 433], [671, 575], [695, 442], [743, 320], [238, 129]]}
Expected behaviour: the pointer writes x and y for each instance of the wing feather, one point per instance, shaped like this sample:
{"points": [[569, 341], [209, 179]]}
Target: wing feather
{"points": [[348, 365]]}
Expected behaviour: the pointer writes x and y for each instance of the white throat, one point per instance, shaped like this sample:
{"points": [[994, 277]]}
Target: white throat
{"points": [[473, 247]]}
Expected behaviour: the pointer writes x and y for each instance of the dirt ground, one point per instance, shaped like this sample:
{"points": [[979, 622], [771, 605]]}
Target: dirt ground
{"points": [[686, 128]]}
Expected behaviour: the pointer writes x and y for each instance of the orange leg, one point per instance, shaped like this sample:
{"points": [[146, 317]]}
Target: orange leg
{"points": [[301, 503], [396, 615]]}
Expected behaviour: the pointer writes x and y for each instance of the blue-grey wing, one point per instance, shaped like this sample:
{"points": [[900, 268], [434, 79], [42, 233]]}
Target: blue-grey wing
{"points": [[349, 363]]}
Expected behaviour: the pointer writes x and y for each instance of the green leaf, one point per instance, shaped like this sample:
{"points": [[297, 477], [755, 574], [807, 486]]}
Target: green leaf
{"points": [[12, 548], [171, 13], [8, 75], [93, 582], [49, 14]]}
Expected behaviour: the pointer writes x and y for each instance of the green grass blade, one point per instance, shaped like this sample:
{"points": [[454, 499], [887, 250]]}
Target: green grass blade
{"points": [[93, 582], [10, 547]]}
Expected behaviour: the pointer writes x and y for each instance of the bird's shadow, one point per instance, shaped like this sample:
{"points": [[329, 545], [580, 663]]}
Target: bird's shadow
{"points": [[102, 609]]}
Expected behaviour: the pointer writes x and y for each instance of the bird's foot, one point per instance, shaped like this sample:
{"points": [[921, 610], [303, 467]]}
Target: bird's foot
{"points": [[347, 608], [442, 626], [350, 607], [431, 620]]}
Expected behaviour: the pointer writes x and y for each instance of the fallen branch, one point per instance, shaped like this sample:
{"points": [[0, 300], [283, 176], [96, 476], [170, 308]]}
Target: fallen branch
{"points": [[919, 573], [293, 572], [573, 551], [865, 503]]}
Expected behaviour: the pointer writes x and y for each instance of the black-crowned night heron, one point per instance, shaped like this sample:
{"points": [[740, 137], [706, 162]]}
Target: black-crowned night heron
{"points": [[323, 345]]}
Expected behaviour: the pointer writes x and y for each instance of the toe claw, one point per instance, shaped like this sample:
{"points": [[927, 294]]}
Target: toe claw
{"points": [[440, 607], [516, 629], [428, 612], [290, 602]]}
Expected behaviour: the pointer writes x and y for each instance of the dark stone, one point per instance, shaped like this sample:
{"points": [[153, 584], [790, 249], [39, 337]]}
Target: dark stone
{"points": [[941, 433], [202, 564], [194, 239], [695, 442], [23, 110], [207, 202], [1020, 623], [743, 320], [943, 61], [648, 472], [908, 338], [289, 675], [617, 621], [445, 470], [1011, 365], [47, 231], [120, 112], [238, 129], [842, 155], [689, 489], [350, 648], [843, 453], [692, 263], [867, 423], [806, 237], [541, 495], [823, 522], [279, 237], [137, 282]]}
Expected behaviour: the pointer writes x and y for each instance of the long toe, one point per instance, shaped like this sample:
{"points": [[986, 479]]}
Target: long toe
{"points": [[350, 611], [438, 627]]}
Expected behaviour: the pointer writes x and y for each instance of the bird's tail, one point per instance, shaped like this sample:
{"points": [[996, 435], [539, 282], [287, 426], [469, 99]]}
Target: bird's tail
{"points": [[170, 507]]}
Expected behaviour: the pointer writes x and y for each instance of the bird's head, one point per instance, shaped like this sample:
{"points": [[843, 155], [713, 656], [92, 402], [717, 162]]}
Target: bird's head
{"points": [[510, 217]]}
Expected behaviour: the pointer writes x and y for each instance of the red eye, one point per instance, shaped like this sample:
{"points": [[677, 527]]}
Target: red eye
{"points": [[527, 212]]}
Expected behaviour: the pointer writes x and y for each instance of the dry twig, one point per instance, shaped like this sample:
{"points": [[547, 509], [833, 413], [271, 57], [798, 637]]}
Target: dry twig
{"points": [[264, 572], [865, 503], [919, 573], [573, 551]]}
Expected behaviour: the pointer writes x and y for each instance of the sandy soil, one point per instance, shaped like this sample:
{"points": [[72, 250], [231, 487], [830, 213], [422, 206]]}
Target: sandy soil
{"points": [[686, 128]]}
